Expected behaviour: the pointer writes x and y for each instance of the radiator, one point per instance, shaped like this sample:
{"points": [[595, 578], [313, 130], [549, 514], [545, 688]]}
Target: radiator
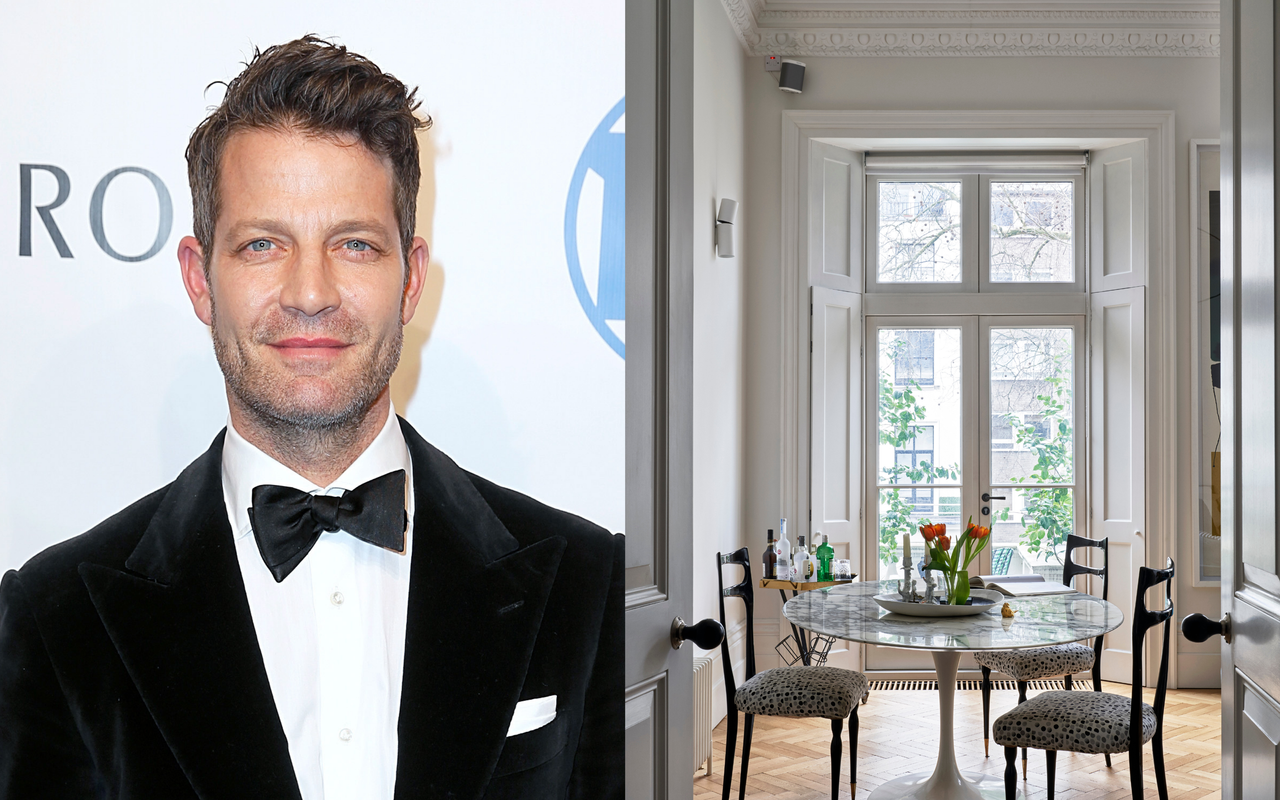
{"points": [[702, 683]]}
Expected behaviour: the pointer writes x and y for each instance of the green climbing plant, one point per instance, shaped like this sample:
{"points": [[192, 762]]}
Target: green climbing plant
{"points": [[901, 409], [1048, 515]]}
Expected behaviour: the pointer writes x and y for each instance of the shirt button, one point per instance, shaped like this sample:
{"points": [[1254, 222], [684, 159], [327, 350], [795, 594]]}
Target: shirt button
{"points": [[345, 734], [336, 598]]}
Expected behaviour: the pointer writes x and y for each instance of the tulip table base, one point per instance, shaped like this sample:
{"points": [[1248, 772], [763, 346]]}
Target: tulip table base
{"points": [[946, 782]]}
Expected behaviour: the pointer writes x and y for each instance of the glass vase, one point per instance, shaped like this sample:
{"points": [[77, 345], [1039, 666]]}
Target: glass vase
{"points": [[958, 595]]}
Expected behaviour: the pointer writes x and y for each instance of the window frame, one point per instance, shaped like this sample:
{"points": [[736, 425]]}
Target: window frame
{"points": [[968, 218], [1080, 390], [1078, 244], [975, 228]]}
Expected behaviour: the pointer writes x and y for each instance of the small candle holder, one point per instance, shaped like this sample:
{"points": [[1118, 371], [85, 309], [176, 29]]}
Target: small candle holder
{"points": [[907, 586]]}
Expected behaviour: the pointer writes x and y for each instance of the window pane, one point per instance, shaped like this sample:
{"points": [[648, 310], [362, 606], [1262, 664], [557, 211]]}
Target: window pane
{"points": [[919, 237], [1032, 406], [1029, 530], [1032, 232], [919, 407], [904, 510]]}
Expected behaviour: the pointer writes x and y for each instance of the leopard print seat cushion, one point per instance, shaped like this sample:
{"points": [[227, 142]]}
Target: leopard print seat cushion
{"points": [[1080, 722], [1038, 663], [828, 692]]}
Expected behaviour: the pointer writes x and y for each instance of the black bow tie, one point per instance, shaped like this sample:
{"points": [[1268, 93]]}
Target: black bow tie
{"points": [[287, 522]]}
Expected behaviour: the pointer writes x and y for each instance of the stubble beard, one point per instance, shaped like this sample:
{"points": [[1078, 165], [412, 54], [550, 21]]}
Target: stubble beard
{"points": [[305, 432]]}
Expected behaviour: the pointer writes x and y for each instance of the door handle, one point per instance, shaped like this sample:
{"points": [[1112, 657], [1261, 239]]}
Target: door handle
{"points": [[1198, 627], [706, 634], [987, 498]]}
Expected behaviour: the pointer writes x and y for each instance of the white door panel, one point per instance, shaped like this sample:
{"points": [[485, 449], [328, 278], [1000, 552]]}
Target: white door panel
{"points": [[1250, 581], [835, 206], [1118, 216], [835, 474], [1118, 454], [659, 581]]}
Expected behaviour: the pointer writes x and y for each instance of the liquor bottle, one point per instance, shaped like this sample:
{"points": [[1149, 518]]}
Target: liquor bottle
{"points": [[770, 569], [825, 555], [800, 562], [784, 554]]}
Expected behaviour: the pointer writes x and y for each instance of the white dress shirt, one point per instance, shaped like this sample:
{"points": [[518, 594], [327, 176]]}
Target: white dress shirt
{"points": [[332, 632]]}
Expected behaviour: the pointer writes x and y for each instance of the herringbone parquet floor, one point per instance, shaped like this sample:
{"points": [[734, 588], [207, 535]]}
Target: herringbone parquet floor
{"points": [[898, 735]]}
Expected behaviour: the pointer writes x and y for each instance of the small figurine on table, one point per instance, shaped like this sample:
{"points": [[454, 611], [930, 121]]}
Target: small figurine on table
{"points": [[929, 585]]}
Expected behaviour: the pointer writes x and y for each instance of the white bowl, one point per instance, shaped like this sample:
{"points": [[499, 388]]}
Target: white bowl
{"points": [[982, 601]]}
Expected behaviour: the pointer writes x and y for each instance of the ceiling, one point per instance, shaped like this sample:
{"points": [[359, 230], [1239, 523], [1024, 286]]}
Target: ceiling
{"points": [[976, 27]]}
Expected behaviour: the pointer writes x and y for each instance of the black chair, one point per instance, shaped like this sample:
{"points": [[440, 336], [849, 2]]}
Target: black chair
{"points": [[1039, 663], [828, 692], [1099, 722]]}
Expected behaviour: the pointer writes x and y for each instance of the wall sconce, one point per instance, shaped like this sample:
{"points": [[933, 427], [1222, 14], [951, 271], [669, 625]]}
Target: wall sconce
{"points": [[791, 76], [724, 227]]}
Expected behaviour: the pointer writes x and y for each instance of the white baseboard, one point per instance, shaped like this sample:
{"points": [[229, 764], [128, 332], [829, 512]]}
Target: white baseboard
{"points": [[1199, 670]]}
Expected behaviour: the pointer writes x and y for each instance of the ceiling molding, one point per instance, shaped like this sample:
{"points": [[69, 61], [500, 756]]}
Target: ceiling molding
{"points": [[1052, 29]]}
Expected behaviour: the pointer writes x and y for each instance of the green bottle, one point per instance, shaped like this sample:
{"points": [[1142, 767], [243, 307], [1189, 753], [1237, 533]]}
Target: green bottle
{"points": [[825, 555]]}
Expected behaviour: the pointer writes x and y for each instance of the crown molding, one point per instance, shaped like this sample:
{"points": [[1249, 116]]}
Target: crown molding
{"points": [[1045, 31]]}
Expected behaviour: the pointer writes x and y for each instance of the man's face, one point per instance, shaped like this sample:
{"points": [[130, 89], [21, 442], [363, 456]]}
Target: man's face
{"points": [[306, 293]]}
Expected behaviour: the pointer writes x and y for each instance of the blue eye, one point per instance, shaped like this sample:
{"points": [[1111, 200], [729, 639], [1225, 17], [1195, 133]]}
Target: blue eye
{"points": [[357, 245], [260, 245]]}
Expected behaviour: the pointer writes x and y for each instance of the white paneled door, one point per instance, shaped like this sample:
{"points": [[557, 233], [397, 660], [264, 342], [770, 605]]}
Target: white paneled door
{"points": [[659, 582], [1251, 572]]}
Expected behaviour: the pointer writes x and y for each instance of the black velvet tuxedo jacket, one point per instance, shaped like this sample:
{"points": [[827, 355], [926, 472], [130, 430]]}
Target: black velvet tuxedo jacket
{"points": [[129, 666]]}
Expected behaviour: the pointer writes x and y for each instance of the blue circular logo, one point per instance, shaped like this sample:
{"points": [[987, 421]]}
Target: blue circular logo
{"points": [[604, 158]]}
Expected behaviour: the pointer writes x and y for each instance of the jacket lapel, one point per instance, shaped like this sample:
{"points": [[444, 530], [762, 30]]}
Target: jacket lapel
{"points": [[180, 620], [475, 605]]}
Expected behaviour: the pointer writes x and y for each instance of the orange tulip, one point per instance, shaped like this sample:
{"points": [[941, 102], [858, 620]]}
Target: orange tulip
{"points": [[944, 542], [940, 528]]}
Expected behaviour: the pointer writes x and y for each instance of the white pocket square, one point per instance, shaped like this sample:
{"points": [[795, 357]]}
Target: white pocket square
{"points": [[532, 714]]}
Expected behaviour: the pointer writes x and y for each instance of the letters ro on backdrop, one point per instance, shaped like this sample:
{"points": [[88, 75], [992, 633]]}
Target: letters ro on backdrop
{"points": [[45, 212]]}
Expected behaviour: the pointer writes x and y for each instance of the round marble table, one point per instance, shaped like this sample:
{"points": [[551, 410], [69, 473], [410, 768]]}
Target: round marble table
{"points": [[849, 612]]}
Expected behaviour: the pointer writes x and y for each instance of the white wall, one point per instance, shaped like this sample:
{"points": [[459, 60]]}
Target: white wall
{"points": [[1187, 86], [719, 145]]}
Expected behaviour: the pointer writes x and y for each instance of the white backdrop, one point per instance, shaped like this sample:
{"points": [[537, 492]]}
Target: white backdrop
{"points": [[108, 385]]}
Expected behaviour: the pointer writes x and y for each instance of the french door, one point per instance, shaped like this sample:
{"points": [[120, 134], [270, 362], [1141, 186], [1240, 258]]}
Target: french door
{"points": [[972, 417]]}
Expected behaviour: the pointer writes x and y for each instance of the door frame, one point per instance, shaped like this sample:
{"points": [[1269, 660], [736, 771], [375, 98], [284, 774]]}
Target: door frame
{"points": [[1031, 129]]}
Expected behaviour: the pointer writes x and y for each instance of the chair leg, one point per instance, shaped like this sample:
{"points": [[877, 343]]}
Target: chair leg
{"points": [[746, 755], [1097, 687], [837, 726], [853, 753], [1022, 698], [1010, 774], [1157, 755], [1066, 681], [986, 712], [1135, 771], [1050, 765], [731, 741]]}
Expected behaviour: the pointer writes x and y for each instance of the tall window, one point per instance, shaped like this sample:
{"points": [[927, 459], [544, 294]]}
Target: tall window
{"points": [[993, 232]]}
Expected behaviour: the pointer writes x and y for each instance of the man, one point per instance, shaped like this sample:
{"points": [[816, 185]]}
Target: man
{"points": [[322, 605]]}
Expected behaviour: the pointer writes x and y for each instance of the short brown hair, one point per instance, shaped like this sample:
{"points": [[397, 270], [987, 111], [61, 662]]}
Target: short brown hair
{"points": [[317, 87]]}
